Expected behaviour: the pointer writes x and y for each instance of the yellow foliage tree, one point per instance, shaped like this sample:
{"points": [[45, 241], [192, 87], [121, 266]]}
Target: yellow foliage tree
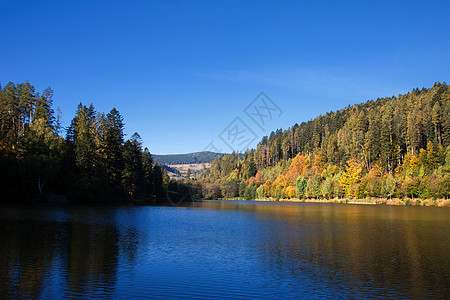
{"points": [[413, 163], [290, 191], [233, 175], [351, 176], [267, 188]]}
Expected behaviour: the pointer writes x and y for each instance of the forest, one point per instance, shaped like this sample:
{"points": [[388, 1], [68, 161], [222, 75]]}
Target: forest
{"points": [[393, 147], [189, 158], [92, 163]]}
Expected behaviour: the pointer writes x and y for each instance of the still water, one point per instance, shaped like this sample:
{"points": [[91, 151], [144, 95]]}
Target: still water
{"points": [[225, 249]]}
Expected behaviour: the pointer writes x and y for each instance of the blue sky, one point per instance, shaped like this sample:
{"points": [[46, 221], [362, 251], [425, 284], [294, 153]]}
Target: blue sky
{"points": [[181, 71]]}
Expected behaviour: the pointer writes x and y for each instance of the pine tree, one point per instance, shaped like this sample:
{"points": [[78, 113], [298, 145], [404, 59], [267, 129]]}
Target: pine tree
{"points": [[300, 187], [113, 146], [84, 141], [133, 174]]}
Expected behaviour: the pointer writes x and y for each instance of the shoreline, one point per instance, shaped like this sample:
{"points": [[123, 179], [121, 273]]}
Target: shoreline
{"points": [[369, 201]]}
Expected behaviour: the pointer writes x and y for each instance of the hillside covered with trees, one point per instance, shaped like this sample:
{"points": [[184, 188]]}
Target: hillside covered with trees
{"points": [[189, 158], [92, 163], [390, 147]]}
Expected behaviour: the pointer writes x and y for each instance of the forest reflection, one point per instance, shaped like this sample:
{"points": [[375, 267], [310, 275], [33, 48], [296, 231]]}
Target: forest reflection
{"points": [[210, 247], [381, 249], [42, 247]]}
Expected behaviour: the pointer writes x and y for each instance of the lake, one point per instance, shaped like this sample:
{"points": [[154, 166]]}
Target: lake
{"points": [[225, 249]]}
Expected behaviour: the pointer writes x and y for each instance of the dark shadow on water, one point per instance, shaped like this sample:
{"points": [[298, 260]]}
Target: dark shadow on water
{"points": [[72, 248]]}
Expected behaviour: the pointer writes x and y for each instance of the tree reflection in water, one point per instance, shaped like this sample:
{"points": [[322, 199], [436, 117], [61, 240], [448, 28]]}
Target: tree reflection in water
{"points": [[75, 249]]}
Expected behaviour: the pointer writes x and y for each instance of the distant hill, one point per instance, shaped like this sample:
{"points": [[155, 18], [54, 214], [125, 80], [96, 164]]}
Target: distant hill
{"points": [[171, 171], [189, 158]]}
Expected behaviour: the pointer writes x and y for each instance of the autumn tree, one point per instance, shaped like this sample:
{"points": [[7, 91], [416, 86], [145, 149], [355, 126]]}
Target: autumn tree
{"points": [[350, 177]]}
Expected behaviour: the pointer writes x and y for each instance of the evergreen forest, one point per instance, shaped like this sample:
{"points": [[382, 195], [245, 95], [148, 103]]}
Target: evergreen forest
{"points": [[93, 162]]}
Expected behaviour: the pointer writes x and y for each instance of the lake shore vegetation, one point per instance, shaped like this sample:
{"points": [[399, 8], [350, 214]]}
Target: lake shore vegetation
{"points": [[394, 149]]}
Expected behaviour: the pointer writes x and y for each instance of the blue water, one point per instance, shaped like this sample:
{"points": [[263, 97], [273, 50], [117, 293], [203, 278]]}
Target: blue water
{"points": [[225, 249]]}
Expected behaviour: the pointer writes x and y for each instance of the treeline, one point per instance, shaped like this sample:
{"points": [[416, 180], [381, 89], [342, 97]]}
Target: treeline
{"points": [[189, 158], [92, 163], [390, 147]]}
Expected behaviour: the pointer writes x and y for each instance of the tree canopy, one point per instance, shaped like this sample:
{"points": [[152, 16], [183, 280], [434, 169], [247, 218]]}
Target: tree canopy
{"points": [[92, 163], [395, 146]]}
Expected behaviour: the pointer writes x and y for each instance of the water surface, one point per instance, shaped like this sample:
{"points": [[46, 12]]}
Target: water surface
{"points": [[226, 249]]}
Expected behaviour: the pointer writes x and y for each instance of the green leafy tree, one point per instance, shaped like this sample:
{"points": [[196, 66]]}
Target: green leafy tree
{"points": [[300, 187], [389, 186], [230, 189], [260, 191], [250, 191], [445, 186], [242, 188], [327, 188], [447, 160], [313, 187]]}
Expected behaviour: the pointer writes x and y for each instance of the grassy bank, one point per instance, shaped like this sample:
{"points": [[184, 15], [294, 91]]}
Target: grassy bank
{"points": [[374, 201]]}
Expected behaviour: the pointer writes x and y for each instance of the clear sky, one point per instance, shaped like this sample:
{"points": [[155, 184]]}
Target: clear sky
{"points": [[181, 71]]}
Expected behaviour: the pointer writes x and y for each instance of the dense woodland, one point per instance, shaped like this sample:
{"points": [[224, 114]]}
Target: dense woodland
{"points": [[92, 163], [395, 147], [189, 158], [392, 147]]}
